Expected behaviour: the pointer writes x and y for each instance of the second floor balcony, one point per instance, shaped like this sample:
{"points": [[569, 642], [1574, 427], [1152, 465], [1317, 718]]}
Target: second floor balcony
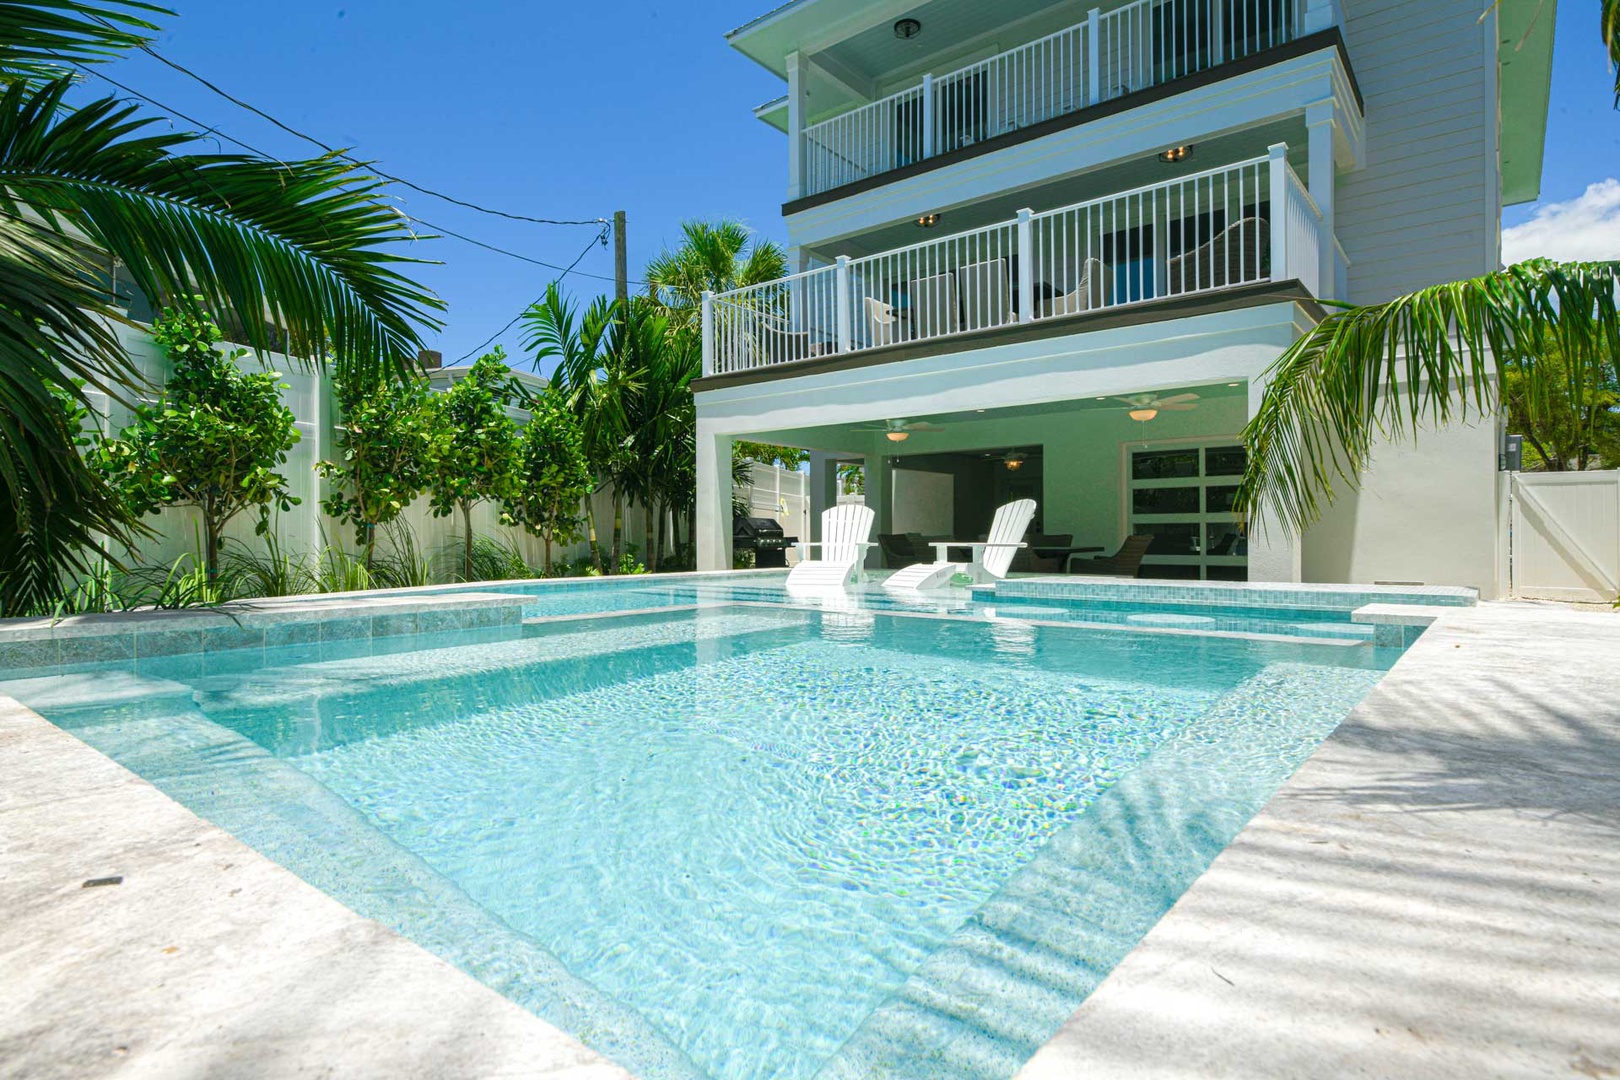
{"points": [[1237, 225], [1109, 55]]}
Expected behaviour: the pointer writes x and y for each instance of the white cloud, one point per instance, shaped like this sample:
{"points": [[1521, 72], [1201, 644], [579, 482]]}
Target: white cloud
{"points": [[1586, 227]]}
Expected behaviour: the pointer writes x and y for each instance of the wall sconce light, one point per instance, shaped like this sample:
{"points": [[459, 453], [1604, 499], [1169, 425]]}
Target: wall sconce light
{"points": [[927, 221], [906, 29], [1144, 415], [1176, 154]]}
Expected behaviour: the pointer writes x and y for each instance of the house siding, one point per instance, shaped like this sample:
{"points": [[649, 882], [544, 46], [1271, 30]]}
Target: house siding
{"points": [[1425, 208]]}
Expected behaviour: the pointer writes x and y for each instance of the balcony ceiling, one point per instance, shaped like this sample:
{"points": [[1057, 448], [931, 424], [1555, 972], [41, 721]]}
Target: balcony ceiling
{"points": [[859, 55]]}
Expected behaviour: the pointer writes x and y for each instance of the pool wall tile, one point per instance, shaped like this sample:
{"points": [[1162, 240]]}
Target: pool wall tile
{"points": [[165, 642]]}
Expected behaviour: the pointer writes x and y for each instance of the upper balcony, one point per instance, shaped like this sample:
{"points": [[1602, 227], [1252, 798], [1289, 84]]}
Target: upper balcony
{"points": [[845, 136], [1239, 225]]}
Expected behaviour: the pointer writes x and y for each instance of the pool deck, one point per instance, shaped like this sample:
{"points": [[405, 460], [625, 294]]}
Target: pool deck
{"points": [[206, 958], [1435, 893]]}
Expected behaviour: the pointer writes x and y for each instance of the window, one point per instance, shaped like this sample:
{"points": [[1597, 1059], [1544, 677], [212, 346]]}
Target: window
{"points": [[1183, 497]]}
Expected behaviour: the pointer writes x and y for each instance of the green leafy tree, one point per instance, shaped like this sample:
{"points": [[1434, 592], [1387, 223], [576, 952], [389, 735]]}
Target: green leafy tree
{"points": [[300, 252], [391, 439], [553, 474], [1569, 414], [214, 441], [478, 452], [788, 457]]}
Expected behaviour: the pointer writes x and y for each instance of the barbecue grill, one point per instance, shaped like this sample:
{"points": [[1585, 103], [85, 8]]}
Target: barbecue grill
{"points": [[763, 536]]}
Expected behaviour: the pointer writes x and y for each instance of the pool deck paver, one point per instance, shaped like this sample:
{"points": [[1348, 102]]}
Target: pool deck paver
{"points": [[208, 959], [1435, 893]]}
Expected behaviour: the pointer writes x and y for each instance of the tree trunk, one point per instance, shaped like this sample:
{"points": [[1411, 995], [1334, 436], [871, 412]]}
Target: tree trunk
{"points": [[548, 554], [649, 544], [658, 548], [371, 544], [618, 529], [590, 521], [211, 531], [466, 541]]}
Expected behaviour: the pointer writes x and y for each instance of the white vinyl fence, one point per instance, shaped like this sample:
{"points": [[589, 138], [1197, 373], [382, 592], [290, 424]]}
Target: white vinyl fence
{"points": [[1563, 535], [305, 528]]}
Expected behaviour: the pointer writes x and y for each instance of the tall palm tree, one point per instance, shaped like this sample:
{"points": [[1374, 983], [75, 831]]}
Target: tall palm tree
{"points": [[712, 256], [298, 253], [1431, 357], [590, 370]]}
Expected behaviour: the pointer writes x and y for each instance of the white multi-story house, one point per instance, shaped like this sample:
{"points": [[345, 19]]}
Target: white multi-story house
{"points": [[1042, 248]]}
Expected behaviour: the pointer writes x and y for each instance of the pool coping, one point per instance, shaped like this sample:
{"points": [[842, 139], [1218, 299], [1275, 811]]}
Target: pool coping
{"points": [[1431, 894]]}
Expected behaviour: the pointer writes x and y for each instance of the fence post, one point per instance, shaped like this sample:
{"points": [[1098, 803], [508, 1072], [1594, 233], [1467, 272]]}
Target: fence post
{"points": [[708, 332], [1279, 211], [1026, 266], [927, 149], [1094, 56], [841, 284]]}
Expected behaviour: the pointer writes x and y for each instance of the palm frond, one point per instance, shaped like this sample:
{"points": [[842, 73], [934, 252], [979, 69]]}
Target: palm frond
{"points": [[303, 246], [41, 39], [1610, 14], [1427, 359]]}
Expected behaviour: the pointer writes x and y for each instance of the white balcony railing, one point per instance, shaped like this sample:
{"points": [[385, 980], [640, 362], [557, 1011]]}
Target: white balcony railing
{"points": [[1243, 223], [1111, 54]]}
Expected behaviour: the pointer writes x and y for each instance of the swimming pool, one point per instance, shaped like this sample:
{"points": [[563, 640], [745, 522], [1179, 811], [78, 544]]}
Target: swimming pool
{"points": [[736, 835]]}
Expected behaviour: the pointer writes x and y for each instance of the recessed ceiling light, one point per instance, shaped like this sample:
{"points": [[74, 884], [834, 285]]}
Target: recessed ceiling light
{"points": [[1234, 384], [906, 29], [927, 221], [1176, 154]]}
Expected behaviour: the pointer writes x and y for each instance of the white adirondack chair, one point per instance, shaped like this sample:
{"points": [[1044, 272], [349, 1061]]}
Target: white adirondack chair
{"points": [[845, 533], [991, 557]]}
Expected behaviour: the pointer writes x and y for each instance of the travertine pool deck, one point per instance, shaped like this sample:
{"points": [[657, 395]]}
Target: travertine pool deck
{"points": [[1435, 893]]}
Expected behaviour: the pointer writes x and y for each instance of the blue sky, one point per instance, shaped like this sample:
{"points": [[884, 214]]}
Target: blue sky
{"points": [[576, 110]]}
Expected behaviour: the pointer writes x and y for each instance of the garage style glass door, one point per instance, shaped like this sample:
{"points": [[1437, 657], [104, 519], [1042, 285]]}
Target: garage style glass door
{"points": [[1182, 497]]}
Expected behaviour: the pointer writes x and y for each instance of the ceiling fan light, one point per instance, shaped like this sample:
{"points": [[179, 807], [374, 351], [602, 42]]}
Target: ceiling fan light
{"points": [[898, 436], [1014, 464], [1144, 415]]}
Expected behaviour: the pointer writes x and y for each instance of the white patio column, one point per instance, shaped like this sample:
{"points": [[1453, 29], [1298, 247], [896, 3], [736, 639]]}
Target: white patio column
{"points": [[1319, 180], [712, 529], [823, 489], [1274, 552], [879, 486], [797, 69]]}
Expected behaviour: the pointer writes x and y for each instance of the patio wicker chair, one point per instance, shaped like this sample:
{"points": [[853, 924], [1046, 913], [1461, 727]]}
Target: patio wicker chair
{"points": [[898, 550], [934, 309], [1126, 562], [1095, 289], [1240, 253], [986, 292]]}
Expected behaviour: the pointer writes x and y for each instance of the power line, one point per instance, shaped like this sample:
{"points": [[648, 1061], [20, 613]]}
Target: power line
{"points": [[600, 238], [289, 129], [214, 132]]}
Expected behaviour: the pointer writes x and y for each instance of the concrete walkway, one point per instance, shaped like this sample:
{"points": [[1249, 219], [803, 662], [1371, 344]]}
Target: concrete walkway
{"points": [[1436, 892], [207, 959]]}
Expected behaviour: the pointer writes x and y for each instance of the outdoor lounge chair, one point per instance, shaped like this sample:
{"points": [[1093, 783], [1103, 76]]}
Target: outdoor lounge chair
{"points": [[934, 310], [1241, 253], [1126, 562], [882, 325], [1095, 289], [991, 557], [986, 293], [844, 542]]}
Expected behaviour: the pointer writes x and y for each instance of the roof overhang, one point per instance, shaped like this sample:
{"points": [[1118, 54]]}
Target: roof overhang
{"points": [[1525, 55], [809, 26]]}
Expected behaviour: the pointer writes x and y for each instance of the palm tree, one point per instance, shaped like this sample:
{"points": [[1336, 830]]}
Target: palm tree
{"points": [[589, 371], [715, 257], [1611, 37], [1432, 357], [296, 253]]}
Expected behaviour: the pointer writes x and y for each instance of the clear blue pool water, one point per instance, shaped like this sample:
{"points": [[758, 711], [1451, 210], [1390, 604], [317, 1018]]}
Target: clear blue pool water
{"points": [[746, 838]]}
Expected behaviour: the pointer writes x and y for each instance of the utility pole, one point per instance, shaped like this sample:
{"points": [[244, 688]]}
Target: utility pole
{"points": [[621, 273]]}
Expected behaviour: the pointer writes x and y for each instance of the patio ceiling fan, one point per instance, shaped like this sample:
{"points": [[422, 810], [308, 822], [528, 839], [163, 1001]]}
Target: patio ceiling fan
{"points": [[900, 430], [1145, 407]]}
